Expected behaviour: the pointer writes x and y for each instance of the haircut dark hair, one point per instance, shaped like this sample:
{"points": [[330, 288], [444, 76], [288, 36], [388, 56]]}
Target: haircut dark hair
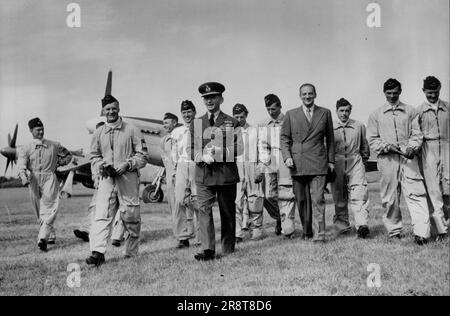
{"points": [[342, 102], [392, 83]]}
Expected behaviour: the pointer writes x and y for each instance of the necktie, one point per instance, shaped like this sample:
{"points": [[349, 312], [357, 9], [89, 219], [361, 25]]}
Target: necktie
{"points": [[211, 120], [308, 114]]}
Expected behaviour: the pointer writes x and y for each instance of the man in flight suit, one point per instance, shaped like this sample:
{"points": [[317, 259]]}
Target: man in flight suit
{"points": [[269, 156], [118, 151], [435, 159], [351, 153], [186, 205], [37, 163], [394, 135], [250, 195]]}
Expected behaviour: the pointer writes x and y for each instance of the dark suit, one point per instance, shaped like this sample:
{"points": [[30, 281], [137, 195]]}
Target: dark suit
{"points": [[217, 180], [311, 146]]}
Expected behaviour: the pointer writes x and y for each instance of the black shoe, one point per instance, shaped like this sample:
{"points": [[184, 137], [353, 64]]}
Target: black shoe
{"points": [[183, 244], [116, 243], [420, 240], [239, 240], [42, 244], [96, 259], [205, 255], [363, 232], [81, 234], [441, 237], [307, 236], [278, 228], [289, 236]]}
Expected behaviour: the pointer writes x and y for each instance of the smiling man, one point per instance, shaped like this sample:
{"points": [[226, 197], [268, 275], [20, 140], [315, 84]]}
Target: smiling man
{"points": [[37, 164], [350, 186], [394, 135], [435, 161], [118, 151], [215, 142], [307, 144]]}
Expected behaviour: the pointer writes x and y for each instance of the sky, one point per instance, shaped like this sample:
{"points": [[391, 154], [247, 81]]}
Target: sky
{"points": [[160, 51]]}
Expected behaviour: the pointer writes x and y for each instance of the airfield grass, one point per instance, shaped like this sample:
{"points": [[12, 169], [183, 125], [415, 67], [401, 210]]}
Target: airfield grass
{"points": [[272, 266]]}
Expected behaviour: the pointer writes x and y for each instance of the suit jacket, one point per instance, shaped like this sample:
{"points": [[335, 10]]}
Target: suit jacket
{"points": [[311, 145], [226, 135]]}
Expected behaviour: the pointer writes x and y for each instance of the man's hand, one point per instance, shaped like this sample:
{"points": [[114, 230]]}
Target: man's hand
{"points": [[331, 166], [207, 159], [96, 181], [259, 177], [124, 167], [387, 149], [409, 153], [25, 181], [289, 163]]}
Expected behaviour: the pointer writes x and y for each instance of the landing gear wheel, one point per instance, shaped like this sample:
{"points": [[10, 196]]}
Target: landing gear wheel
{"points": [[150, 195]]}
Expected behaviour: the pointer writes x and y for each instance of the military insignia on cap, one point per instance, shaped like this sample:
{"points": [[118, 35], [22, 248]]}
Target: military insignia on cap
{"points": [[207, 88]]}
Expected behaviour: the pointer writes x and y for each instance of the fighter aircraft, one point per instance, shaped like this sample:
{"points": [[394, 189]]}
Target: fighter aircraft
{"points": [[79, 170]]}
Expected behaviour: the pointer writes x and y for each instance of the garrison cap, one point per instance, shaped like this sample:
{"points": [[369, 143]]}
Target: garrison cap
{"points": [[239, 108], [211, 88], [187, 105], [431, 83], [108, 99], [36, 122], [391, 84], [342, 102], [170, 116], [271, 99]]}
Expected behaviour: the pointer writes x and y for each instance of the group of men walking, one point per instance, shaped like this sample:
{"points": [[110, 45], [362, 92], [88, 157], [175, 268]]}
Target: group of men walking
{"points": [[282, 164]]}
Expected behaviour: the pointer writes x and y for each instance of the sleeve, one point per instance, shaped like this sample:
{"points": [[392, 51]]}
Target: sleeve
{"points": [[416, 136], [195, 148], [286, 137], [139, 158], [330, 138], [364, 149], [95, 151], [22, 160], [263, 145], [376, 143]]}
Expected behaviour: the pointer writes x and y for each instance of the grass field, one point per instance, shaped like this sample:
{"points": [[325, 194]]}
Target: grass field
{"points": [[272, 266]]}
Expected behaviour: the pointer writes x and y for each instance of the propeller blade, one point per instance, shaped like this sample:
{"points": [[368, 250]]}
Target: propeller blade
{"points": [[109, 83], [13, 143], [7, 165], [9, 140]]}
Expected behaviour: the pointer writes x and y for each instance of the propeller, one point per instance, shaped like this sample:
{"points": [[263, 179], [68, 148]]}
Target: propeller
{"points": [[10, 151]]}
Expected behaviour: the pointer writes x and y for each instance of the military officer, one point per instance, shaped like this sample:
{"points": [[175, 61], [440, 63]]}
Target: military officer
{"points": [[269, 155], [350, 186], [394, 135], [250, 195], [37, 163], [215, 143], [118, 151], [186, 206], [435, 159]]}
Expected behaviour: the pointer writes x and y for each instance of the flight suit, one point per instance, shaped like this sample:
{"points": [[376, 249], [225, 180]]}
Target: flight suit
{"points": [[270, 157], [114, 144], [249, 195], [399, 126], [435, 160], [350, 185], [167, 145], [38, 161], [185, 206]]}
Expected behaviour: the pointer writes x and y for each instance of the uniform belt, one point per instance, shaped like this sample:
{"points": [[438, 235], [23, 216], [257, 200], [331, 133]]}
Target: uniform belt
{"points": [[430, 139]]}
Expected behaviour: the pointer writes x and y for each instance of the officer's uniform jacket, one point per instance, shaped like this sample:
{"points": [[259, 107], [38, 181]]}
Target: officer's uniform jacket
{"points": [[226, 136]]}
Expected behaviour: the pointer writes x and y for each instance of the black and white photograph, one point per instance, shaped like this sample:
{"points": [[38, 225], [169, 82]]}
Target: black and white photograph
{"points": [[224, 153]]}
